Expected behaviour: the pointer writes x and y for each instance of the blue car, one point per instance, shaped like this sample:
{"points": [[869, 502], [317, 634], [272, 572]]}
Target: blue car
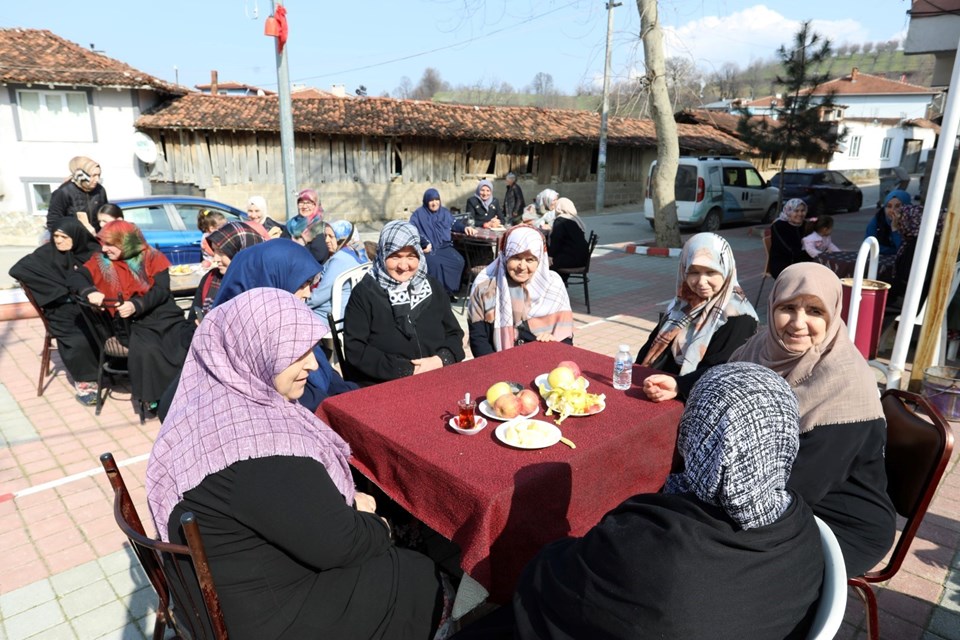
{"points": [[169, 223]]}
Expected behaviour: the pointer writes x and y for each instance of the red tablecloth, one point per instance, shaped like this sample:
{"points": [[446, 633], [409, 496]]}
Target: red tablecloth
{"points": [[501, 504]]}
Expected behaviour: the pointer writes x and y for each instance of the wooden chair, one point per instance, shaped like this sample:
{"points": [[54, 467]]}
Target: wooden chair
{"points": [[767, 240], [917, 452], [48, 345], [112, 335], [582, 274], [833, 593], [179, 574]]}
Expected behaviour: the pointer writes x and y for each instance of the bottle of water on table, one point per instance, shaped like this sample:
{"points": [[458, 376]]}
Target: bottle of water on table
{"points": [[623, 369]]}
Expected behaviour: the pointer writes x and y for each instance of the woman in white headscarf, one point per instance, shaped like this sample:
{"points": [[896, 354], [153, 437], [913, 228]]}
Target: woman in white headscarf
{"points": [[398, 321], [517, 299], [483, 208]]}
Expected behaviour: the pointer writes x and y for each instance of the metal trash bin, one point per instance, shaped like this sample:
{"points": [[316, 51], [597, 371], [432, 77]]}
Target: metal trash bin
{"points": [[873, 298]]}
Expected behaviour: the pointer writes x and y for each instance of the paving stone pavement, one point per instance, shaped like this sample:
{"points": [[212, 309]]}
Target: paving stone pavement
{"points": [[65, 571]]}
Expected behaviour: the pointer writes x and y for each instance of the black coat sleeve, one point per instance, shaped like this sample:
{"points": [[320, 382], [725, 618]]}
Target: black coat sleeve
{"points": [[481, 338], [156, 295], [80, 282], [452, 333], [292, 503], [728, 338]]}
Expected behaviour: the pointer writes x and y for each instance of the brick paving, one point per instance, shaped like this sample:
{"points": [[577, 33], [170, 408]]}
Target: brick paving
{"points": [[65, 571]]}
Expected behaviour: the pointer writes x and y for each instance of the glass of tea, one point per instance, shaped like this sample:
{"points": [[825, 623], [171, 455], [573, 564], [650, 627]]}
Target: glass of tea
{"points": [[465, 415]]}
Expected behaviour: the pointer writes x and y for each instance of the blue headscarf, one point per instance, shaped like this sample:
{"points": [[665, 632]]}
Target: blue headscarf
{"points": [[900, 195], [431, 194], [279, 264]]}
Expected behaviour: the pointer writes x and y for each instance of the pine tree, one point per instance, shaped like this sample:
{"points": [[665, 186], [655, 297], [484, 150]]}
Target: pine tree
{"points": [[799, 130]]}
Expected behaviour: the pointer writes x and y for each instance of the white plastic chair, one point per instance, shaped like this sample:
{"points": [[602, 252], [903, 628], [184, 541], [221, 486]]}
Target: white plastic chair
{"points": [[833, 593], [353, 276]]}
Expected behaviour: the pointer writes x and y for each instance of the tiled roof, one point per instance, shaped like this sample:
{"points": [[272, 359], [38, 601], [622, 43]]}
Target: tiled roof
{"points": [[37, 56], [865, 84], [724, 121], [390, 117], [232, 86]]}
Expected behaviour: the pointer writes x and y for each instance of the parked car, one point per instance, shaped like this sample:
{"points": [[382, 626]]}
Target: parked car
{"points": [[169, 223], [717, 190], [823, 190]]}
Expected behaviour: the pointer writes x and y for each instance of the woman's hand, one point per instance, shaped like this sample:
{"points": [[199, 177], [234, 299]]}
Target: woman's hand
{"points": [[126, 309], [545, 337], [95, 298], [422, 365], [275, 232], [660, 387], [365, 502], [428, 248]]}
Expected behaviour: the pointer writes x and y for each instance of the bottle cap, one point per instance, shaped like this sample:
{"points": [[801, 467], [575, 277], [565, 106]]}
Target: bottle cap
{"points": [[625, 347]]}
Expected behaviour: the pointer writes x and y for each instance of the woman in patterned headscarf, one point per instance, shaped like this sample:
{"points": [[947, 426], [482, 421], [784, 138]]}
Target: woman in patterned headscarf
{"points": [[294, 549], [786, 237], [517, 299], [840, 470], [131, 279], [708, 320], [398, 321], [346, 252], [906, 222], [660, 565], [225, 243], [80, 196]]}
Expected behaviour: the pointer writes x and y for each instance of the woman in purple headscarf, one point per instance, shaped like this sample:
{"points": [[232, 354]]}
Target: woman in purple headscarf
{"points": [[294, 550], [484, 209]]}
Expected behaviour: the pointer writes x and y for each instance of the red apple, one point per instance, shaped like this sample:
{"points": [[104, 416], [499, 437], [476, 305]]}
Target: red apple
{"points": [[529, 401], [507, 406], [573, 366]]}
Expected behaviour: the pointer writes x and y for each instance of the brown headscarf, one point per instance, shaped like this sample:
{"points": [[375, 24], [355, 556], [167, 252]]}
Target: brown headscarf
{"points": [[832, 380]]}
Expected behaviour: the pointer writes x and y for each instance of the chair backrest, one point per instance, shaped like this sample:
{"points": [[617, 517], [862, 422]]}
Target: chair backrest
{"points": [[336, 332], [591, 245], [833, 592], [918, 449], [477, 254], [353, 276], [36, 307], [767, 242], [111, 332], [178, 573]]}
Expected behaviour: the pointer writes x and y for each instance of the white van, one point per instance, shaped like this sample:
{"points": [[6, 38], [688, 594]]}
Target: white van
{"points": [[716, 190]]}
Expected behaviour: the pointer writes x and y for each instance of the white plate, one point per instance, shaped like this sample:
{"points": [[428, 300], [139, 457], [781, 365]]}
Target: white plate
{"points": [[541, 381], [488, 411], [479, 423], [550, 440], [603, 406]]}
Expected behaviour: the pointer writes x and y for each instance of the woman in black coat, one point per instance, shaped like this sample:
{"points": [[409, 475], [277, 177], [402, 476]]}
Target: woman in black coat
{"points": [[786, 237], [568, 239], [398, 321], [484, 209], [44, 272], [80, 197]]}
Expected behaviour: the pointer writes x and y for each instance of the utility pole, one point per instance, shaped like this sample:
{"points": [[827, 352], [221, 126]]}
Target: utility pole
{"points": [[604, 109], [286, 128]]}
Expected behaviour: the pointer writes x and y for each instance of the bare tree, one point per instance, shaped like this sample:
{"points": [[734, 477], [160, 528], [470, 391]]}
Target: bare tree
{"points": [[430, 84], [668, 145], [843, 50], [867, 47], [542, 84], [854, 49], [683, 82], [727, 80], [753, 78], [404, 90]]}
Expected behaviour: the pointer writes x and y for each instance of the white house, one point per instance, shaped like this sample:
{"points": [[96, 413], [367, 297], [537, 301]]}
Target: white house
{"points": [[59, 100]]}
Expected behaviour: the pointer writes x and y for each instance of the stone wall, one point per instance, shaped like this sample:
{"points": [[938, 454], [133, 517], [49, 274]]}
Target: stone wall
{"points": [[21, 229]]}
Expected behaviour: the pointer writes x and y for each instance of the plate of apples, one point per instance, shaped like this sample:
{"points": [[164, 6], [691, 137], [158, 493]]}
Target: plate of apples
{"points": [[505, 402]]}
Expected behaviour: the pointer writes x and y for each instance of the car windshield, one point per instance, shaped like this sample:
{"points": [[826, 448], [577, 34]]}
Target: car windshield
{"points": [[793, 179]]}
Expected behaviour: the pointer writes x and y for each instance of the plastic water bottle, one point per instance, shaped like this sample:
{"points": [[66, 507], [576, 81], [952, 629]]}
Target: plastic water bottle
{"points": [[623, 369]]}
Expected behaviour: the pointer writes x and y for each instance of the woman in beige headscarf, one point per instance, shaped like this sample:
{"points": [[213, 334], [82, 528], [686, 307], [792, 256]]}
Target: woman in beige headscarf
{"points": [[80, 196], [840, 469], [568, 241]]}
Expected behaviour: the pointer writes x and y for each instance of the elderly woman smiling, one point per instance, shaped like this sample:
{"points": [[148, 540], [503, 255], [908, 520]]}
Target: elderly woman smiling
{"points": [[398, 321], [840, 469]]}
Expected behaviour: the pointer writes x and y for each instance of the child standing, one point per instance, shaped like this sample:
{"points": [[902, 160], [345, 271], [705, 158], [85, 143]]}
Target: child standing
{"points": [[818, 240]]}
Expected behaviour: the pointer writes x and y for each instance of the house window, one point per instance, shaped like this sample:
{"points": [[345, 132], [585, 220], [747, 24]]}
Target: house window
{"points": [[38, 195], [61, 116], [855, 147], [885, 148]]}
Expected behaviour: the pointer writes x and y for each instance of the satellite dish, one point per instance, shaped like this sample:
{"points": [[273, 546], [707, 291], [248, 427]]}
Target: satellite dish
{"points": [[144, 147]]}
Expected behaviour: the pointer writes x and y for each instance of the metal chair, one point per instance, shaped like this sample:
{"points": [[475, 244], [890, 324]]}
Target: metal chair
{"points": [[48, 338], [179, 573], [917, 452], [767, 241], [582, 274], [112, 335], [833, 593], [477, 254]]}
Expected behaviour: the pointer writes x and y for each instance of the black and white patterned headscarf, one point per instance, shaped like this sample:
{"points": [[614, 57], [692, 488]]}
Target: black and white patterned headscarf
{"points": [[395, 236], [739, 435]]}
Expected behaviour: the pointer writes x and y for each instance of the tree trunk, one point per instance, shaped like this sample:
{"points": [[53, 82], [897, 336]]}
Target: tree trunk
{"points": [[668, 148]]}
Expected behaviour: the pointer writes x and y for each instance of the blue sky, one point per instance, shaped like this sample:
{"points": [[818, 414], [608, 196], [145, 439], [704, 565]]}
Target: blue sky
{"points": [[377, 42]]}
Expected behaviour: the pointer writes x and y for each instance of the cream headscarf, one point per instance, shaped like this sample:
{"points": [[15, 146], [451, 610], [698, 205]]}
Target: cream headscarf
{"points": [[832, 380]]}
